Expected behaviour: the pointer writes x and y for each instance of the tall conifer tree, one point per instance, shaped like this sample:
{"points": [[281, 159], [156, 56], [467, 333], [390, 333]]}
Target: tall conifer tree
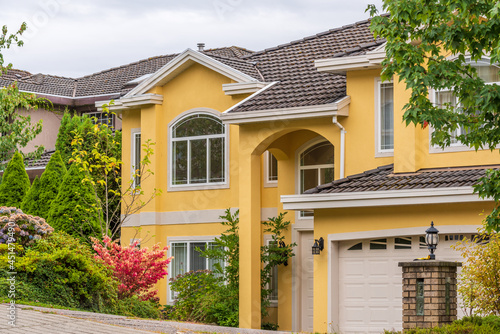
{"points": [[15, 182]]}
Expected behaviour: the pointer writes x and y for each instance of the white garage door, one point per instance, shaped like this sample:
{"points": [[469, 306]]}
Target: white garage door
{"points": [[370, 281]]}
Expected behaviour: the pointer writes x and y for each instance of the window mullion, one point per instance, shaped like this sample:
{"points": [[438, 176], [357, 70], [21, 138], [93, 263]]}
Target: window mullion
{"points": [[208, 161], [188, 162], [188, 256]]}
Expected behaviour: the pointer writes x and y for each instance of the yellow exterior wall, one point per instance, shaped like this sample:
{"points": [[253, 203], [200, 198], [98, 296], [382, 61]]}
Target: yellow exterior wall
{"points": [[380, 218], [411, 144], [199, 87]]}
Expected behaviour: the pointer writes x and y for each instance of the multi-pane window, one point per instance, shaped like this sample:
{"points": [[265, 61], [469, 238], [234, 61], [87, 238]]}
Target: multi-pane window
{"points": [[103, 118], [198, 150], [487, 72], [315, 168], [136, 158], [186, 257], [273, 284], [271, 168], [386, 117]]}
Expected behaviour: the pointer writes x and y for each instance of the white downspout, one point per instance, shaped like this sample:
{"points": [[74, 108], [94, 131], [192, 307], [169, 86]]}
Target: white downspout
{"points": [[342, 145]]}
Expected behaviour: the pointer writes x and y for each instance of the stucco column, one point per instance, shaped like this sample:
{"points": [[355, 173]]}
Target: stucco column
{"points": [[151, 128], [250, 238]]}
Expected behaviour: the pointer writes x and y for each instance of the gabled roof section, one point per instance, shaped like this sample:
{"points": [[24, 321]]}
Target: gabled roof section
{"points": [[292, 65], [116, 81], [230, 67], [382, 187], [383, 178]]}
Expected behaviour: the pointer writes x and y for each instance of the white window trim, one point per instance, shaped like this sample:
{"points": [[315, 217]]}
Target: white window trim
{"points": [[133, 149], [170, 241], [298, 168], [457, 147], [204, 186], [110, 115], [268, 183], [267, 239], [379, 153]]}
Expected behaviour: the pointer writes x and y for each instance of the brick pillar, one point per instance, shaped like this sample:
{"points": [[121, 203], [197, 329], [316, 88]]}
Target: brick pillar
{"points": [[429, 293]]}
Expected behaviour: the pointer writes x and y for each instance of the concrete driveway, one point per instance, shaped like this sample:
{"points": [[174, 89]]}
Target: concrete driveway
{"points": [[41, 320]]}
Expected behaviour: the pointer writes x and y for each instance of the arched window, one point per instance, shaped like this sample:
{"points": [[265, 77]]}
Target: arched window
{"points": [[315, 167], [198, 150]]}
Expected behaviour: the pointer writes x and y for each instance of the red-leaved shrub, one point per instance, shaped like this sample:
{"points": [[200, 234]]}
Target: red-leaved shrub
{"points": [[136, 269]]}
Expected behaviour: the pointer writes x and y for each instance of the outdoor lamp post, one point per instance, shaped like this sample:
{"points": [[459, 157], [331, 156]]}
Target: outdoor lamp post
{"points": [[432, 239], [319, 245]]}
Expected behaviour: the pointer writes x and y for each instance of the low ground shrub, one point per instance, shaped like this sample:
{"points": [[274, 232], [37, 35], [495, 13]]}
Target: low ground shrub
{"points": [[23, 229], [61, 270], [137, 270], [195, 294], [466, 325]]}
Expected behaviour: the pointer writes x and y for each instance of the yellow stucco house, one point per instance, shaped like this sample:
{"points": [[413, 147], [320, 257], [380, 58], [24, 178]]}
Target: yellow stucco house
{"points": [[309, 128]]}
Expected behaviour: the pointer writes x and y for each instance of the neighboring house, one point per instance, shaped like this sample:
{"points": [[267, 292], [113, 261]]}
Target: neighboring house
{"points": [[80, 95], [306, 127]]}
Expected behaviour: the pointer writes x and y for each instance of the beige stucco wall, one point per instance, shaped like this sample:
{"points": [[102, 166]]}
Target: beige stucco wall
{"points": [[50, 127]]}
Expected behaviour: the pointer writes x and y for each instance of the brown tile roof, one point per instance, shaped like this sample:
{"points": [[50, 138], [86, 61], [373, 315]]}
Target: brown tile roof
{"points": [[292, 64], [114, 80], [383, 178], [39, 83], [40, 163]]}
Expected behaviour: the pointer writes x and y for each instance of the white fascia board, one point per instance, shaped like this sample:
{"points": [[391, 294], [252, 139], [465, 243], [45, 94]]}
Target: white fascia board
{"points": [[117, 105], [141, 100], [131, 102], [161, 76], [371, 60], [340, 108], [379, 198], [243, 87]]}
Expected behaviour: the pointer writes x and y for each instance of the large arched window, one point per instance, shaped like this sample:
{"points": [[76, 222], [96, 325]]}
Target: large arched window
{"points": [[315, 167], [198, 150]]}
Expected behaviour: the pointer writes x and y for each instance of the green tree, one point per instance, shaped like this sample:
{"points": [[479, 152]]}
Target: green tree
{"points": [[15, 182], [479, 284], [16, 130], [75, 210], [276, 253], [32, 198], [6, 41], [439, 45], [64, 137], [49, 183], [97, 150]]}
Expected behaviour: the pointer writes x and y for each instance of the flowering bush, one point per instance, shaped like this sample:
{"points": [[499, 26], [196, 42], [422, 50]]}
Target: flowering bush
{"points": [[136, 269], [22, 228]]}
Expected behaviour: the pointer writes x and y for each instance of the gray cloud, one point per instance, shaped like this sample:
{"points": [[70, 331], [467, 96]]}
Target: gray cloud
{"points": [[77, 38]]}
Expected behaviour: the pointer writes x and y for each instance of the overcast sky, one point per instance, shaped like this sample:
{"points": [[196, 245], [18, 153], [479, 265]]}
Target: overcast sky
{"points": [[76, 38]]}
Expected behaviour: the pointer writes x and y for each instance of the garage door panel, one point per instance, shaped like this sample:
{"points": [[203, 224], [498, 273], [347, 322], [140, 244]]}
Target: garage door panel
{"points": [[370, 284]]}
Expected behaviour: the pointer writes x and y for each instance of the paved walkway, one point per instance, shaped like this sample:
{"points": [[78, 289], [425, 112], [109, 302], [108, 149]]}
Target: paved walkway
{"points": [[41, 320]]}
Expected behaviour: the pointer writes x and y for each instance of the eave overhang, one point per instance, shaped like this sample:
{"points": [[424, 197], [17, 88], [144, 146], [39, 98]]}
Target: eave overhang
{"points": [[380, 198], [132, 102], [243, 87], [340, 65], [339, 108]]}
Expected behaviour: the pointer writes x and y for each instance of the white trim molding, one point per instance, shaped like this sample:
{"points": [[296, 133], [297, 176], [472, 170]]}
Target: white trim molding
{"points": [[202, 186], [339, 108], [379, 198], [243, 87], [340, 65], [187, 217], [131, 102], [183, 61]]}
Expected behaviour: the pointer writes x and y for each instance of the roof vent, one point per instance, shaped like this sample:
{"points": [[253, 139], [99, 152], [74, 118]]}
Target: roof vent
{"points": [[201, 46]]}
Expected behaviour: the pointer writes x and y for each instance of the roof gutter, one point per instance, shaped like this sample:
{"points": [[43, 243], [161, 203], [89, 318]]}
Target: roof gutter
{"points": [[342, 145]]}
